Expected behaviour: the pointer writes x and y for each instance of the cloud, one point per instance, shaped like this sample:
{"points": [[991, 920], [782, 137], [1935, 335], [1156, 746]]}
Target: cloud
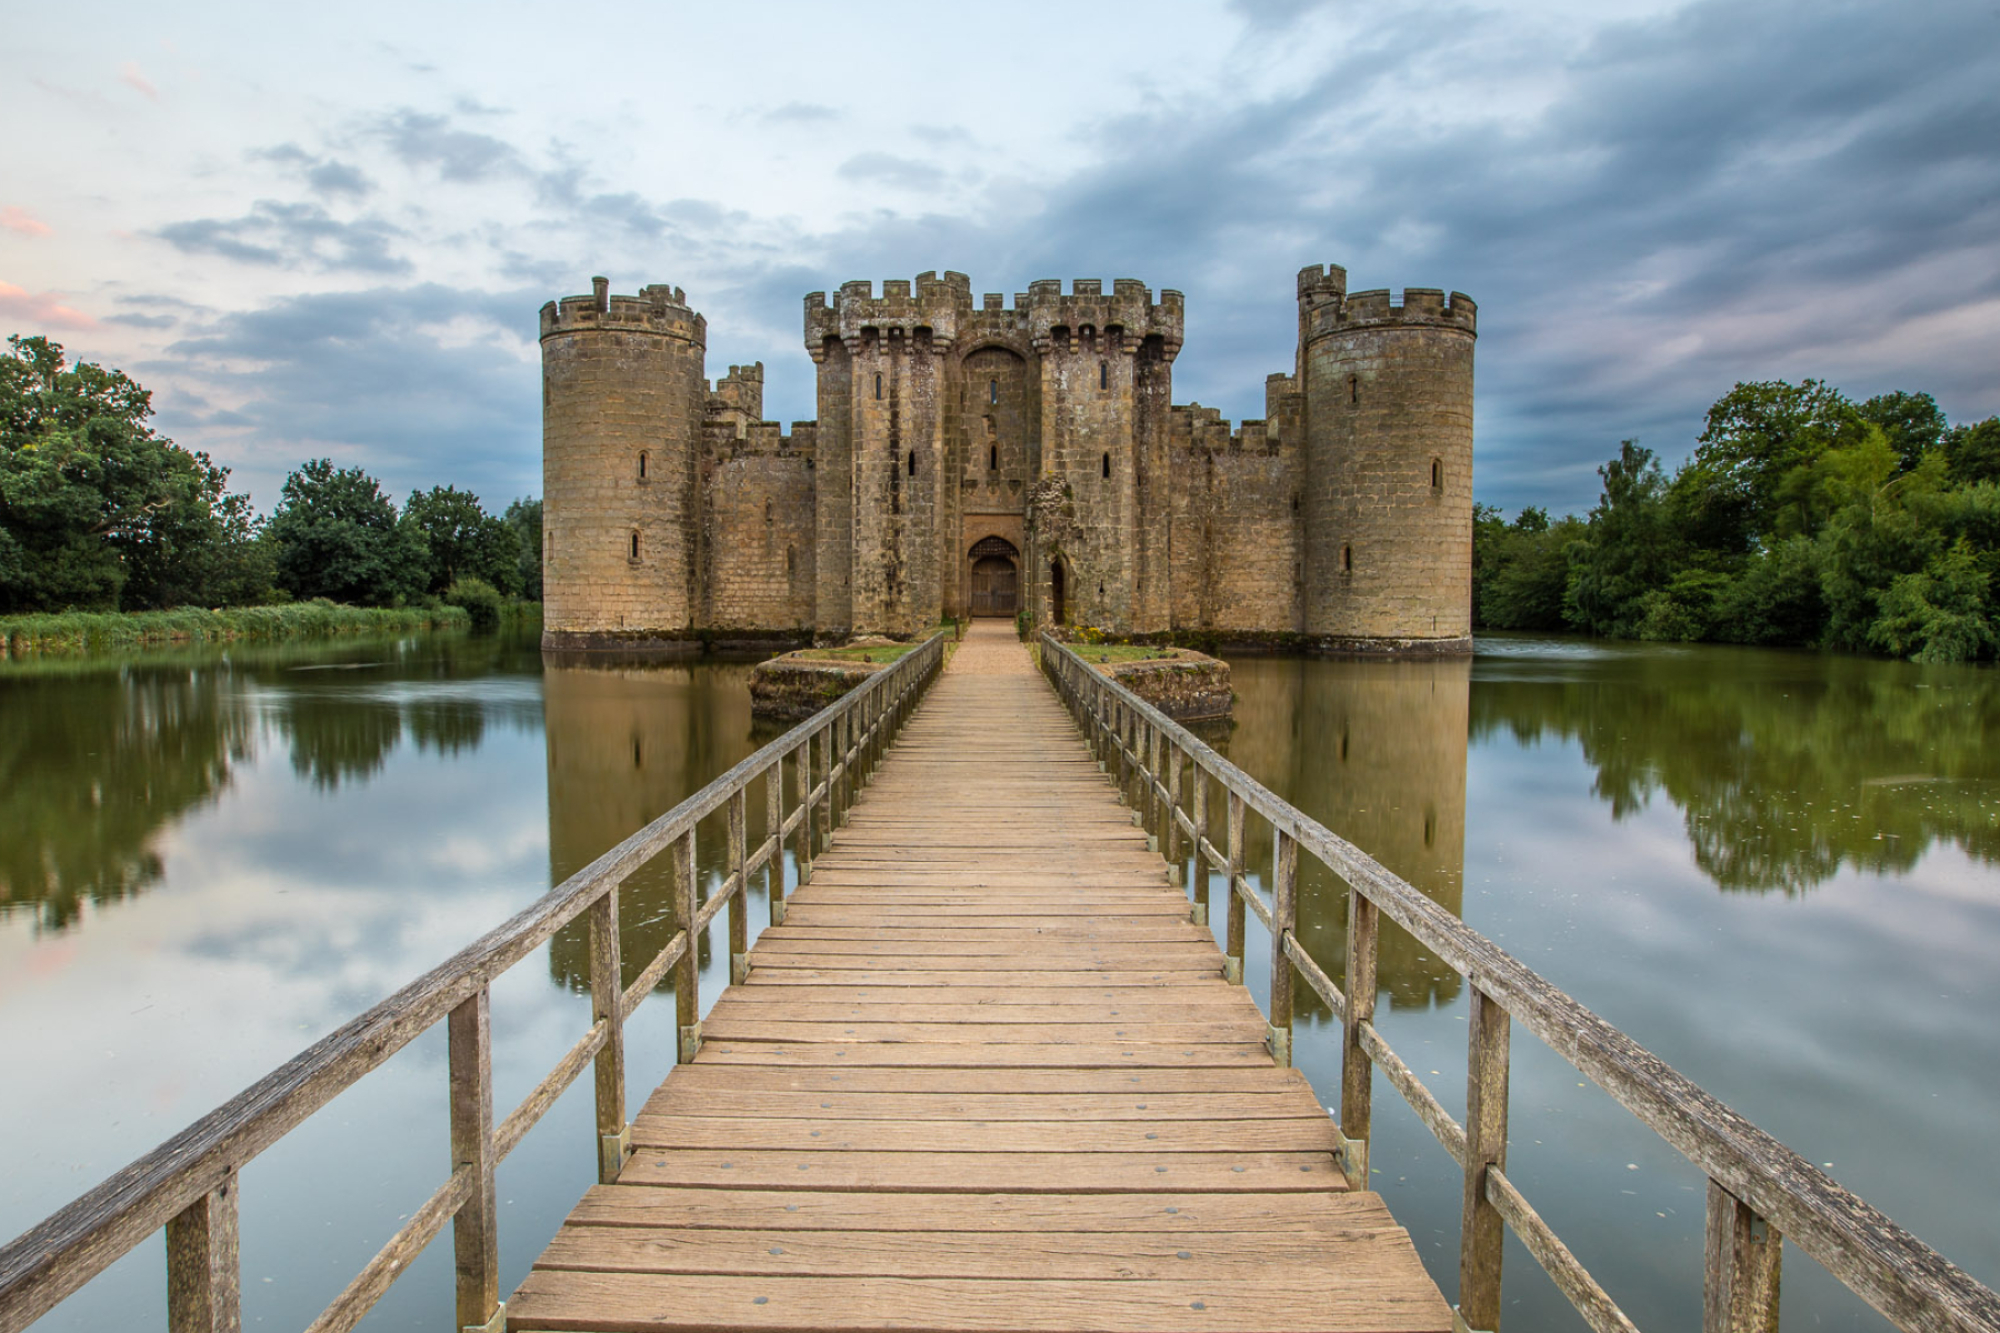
{"points": [[276, 234], [143, 321], [130, 76], [40, 310], [17, 219], [433, 142], [330, 178], [904, 173], [422, 385]]}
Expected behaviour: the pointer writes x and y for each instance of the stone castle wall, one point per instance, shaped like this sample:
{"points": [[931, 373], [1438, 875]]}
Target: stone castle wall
{"points": [[1344, 516]]}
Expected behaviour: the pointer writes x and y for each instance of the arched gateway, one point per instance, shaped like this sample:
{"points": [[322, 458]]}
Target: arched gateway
{"points": [[996, 577]]}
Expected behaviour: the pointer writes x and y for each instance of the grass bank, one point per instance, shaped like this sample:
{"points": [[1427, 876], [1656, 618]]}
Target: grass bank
{"points": [[877, 654], [88, 631]]}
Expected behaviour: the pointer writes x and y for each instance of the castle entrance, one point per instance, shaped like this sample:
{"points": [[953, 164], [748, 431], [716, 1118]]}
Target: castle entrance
{"points": [[996, 577]]}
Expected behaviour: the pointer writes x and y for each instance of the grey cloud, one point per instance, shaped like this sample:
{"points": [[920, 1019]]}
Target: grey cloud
{"points": [[887, 169], [363, 377], [287, 235], [432, 141], [330, 178], [143, 321], [800, 113]]}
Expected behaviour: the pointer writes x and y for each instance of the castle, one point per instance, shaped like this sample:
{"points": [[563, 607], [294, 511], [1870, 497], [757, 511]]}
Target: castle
{"points": [[986, 459]]}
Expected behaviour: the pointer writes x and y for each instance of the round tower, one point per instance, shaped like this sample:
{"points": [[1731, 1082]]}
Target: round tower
{"points": [[1387, 502], [622, 399]]}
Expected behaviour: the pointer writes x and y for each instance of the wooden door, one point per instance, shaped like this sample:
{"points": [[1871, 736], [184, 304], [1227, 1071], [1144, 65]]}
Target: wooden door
{"points": [[995, 586]]}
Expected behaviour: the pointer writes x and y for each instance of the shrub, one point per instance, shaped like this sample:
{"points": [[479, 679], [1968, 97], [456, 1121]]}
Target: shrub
{"points": [[478, 598]]}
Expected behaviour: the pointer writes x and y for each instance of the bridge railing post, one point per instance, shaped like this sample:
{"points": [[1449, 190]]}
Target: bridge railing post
{"points": [[475, 1237], [1357, 1070], [1198, 913], [1741, 1272], [774, 820], [204, 1267], [1482, 1231], [802, 769], [1232, 961], [614, 1136], [822, 812], [687, 969], [1284, 917], [739, 899], [1170, 836]]}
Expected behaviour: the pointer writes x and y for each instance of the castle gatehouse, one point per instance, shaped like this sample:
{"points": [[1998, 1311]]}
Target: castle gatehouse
{"points": [[975, 457]]}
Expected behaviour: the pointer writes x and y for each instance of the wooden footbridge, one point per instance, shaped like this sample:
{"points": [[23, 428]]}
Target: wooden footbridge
{"points": [[986, 1069]]}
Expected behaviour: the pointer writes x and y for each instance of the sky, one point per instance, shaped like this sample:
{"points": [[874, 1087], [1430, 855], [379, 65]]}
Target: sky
{"points": [[326, 230]]}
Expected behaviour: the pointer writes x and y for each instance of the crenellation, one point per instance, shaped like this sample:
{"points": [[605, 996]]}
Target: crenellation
{"points": [[982, 459]]}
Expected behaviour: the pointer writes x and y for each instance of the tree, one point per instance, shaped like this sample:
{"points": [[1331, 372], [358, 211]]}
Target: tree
{"points": [[98, 511], [1913, 423], [524, 516], [1973, 452], [1629, 550], [337, 536], [464, 541], [1728, 497]]}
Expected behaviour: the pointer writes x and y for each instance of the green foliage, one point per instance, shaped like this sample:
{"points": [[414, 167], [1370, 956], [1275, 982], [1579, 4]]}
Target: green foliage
{"points": [[478, 598], [524, 516], [96, 510], [1801, 519], [463, 541], [83, 631], [338, 536]]}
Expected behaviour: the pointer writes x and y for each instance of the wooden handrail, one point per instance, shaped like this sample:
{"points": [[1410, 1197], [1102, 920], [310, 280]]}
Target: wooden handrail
{"points": [[1760, 1190], [188, 1184]]}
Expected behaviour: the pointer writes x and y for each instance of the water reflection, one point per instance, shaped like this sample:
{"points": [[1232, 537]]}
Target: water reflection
{"points": [[1376, 752], [92, 767], [1785, 766], [100, 756], [627, 743]]}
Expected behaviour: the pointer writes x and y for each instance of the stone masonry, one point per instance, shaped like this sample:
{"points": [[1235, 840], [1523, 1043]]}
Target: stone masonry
{"points": [[981, 457]]}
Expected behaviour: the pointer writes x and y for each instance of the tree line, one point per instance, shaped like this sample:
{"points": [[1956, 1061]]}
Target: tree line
{"points": [[1803, 518], [99, 512]]}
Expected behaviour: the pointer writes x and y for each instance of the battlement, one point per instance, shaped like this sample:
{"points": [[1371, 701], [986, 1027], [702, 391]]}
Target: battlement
{"points": [[1319, 283], [1420, 307], [658, 309], [1129, 309], [761, 439], [738, 395], [942, 306], [932, 304], [1203, 429]]}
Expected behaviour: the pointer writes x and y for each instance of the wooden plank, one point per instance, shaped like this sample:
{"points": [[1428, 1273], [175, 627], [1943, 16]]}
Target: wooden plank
{"points": [[1382, 1302], [1219, 1107], [1045, 1255], [982, 1173], [631, 1204], [1298, 1134], [1256, 1079]]}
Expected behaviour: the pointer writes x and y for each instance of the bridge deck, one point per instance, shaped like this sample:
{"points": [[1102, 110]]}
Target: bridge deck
{"points": [[985, 1076]]}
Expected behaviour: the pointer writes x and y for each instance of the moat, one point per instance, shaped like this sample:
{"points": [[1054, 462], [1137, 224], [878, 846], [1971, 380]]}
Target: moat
{"points": [[1781, 872]]}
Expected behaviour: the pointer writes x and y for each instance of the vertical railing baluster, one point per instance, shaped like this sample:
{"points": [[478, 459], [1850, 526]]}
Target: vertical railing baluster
{"points": [[614, 1136], [204, 1267], [1199, 912], [1482, 1231], [1170, 846], [687, 973], [774, 819], [475, 1236], [1357, 1071], [802, 767], [1741, 1274], [1152, 752], [739, 901], [823, 812], [1284, 917], [1232, 962]]}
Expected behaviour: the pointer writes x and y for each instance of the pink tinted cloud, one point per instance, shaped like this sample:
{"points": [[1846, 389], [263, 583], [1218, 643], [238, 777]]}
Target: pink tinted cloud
{"points": [[15, 218], [40, 310], [129, 75]]}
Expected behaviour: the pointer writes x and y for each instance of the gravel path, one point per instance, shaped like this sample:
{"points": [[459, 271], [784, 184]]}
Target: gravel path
{"points": [[991, 648]]}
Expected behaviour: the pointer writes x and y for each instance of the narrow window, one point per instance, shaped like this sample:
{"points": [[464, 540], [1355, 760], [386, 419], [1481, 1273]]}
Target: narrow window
{"points": [[878, 384], [1104, 374], [993, 391], [1347, 559], [1295, 504], [913, 462], [1107, 465], [791, 561], [642, 465], [1353, 388], [767, 511], [1437, 473], [635, 544], [993, 457]]}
